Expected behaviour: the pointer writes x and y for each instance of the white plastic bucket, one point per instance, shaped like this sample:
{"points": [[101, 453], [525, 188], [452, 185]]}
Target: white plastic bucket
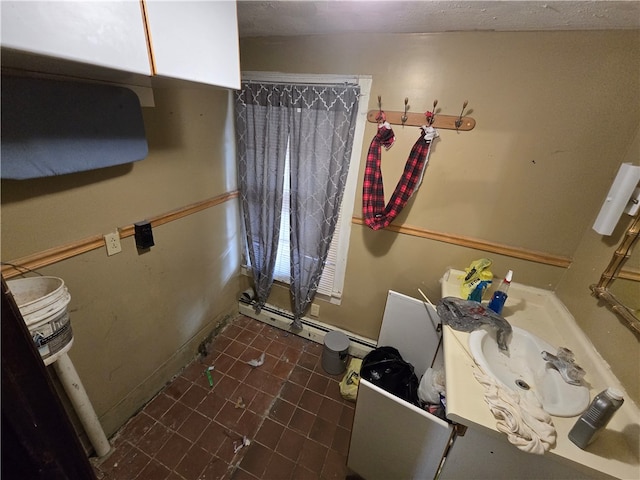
{"points": [[43, 304]]}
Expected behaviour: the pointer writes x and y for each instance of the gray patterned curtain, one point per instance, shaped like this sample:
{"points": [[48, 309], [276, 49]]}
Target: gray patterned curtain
{"points": [[262, 123], [318, 122], [321, 139]]}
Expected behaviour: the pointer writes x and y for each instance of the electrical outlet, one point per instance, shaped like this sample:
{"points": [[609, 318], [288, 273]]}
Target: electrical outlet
{"points": [[315, 310], [112, 242]]}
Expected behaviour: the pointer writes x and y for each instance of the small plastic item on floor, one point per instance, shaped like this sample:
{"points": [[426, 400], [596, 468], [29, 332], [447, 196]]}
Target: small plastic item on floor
{"points": [[351, 380], [257, 361], [240, 403], [208, 374], [237, 445]]}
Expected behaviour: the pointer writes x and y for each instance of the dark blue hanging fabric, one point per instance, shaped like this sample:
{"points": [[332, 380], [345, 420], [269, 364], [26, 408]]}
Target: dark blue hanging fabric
{"points": [[52, 127]]}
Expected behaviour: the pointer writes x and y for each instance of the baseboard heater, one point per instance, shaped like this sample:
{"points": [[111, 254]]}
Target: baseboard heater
{"points": [[311, 329]]}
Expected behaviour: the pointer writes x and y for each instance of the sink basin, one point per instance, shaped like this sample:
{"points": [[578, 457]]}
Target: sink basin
{"points": [[523, 369]]}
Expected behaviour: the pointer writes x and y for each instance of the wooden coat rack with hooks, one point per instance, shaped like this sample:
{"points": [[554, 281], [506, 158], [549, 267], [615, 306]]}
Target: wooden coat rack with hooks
{"points": [[447, 122]]}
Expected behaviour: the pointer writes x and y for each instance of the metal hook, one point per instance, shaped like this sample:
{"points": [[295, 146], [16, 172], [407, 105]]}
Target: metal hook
{"points": [[431, 116], [380, 118], [404, 117], [459, 120]]}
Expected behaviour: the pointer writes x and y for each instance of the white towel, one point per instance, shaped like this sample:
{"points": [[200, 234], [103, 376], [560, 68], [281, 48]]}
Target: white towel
{"points": [[523, 420]]}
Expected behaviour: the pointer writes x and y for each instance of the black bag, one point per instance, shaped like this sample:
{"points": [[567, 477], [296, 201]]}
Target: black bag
{"points": [[385, 368]]}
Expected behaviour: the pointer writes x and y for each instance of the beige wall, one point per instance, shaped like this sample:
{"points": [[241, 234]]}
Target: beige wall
{"points": [[609, 334], [556, 114], [138, 318]]}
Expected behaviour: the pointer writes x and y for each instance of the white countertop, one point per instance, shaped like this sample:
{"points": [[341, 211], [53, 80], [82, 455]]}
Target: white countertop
{"points": [[615, 452]]}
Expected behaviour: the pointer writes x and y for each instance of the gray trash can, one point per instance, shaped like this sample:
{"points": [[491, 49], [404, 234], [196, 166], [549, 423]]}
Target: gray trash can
{"points": [[335, 353]]}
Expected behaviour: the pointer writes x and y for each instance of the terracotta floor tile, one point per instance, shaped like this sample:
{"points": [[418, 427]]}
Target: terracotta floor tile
{"points": [[341, 441], [291, 392], [216, 469], [312, 455], [246, 337], [222, 364], [211, 405], [280, 467], [246, 392], [228, 416], [232, 331], [249, 423], [261, 343], [282, 369], [225, 386], [194, 396], [282, 411], [256, 459], [175, 416], [240, 474], [177, 388], [277, 349], [136, 428], [308, 361], [154, 471], [300, 375], [291, 410], [318, 383], [289, 444], [302, 421], [302, 473], [310, 401], [193, 426], [261, 403], [346, 417], [322, 431], [330, 410], [212, 437], [292, 355], [173, 451], [193, 463], [335, 466], [158, 406], [154, 439], [269, 433], [131, 465], [239, 370], [255, 327]]}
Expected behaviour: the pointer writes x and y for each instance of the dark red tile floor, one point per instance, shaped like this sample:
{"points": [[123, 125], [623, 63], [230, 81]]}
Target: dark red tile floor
{"points": [[289, 409]]}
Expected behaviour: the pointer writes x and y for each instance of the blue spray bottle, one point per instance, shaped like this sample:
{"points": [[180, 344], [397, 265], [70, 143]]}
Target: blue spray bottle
{"points": [[500, 295]]}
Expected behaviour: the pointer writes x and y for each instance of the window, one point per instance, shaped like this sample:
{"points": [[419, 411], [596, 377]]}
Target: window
{"points": [[332, 280]]}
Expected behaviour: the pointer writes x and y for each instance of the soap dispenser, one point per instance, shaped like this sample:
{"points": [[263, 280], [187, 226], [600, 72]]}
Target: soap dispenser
{"points": [[500, 295]]}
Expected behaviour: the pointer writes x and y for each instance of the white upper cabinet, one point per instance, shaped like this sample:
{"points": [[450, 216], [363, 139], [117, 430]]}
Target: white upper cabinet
{"points": [[188, 40], [108, 34], [195, 40]]}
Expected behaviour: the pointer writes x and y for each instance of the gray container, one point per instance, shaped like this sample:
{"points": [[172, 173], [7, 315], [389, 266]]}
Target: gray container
{"points": [[335, 353], [596, 417]]}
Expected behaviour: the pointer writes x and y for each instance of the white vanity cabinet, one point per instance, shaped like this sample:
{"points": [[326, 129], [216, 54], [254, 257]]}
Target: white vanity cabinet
{"points": [[105, 34], [188, 40], [390, 438]]}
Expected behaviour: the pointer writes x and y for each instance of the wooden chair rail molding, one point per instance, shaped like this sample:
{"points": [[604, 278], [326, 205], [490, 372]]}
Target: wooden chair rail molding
{"points": [[63, 252], [460, 240]]}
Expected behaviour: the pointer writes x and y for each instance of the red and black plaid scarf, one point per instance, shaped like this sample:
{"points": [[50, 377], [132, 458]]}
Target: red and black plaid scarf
{"points": [[376, 214]]}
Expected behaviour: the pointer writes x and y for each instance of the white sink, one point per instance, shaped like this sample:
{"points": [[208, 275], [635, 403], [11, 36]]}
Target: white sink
{"points": [[523, 369]]}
